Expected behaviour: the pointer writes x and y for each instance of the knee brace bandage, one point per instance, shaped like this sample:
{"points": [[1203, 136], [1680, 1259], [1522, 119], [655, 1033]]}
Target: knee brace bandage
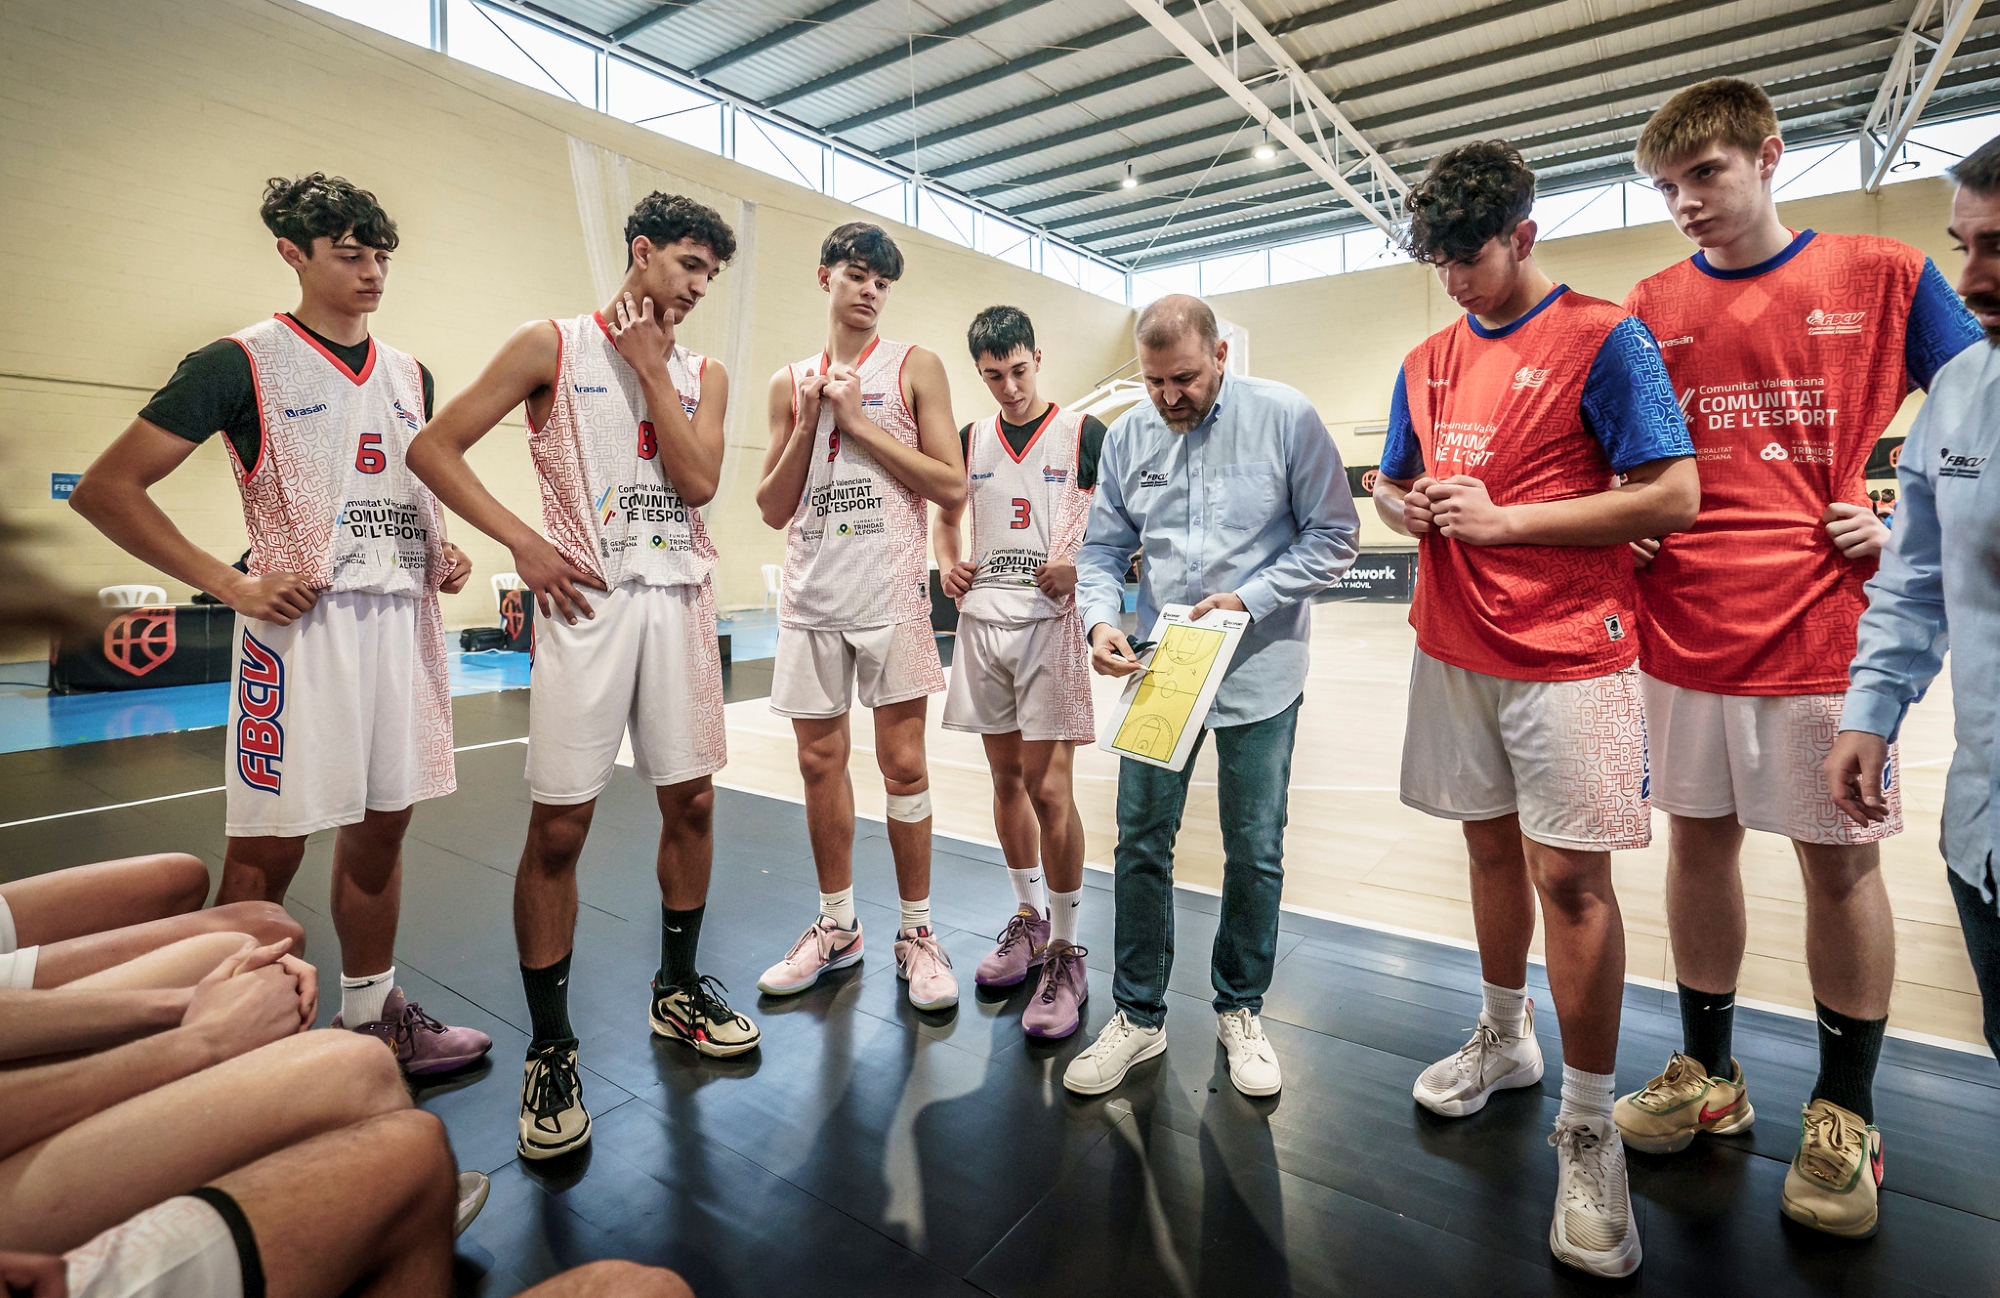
{"points": [[910, 807]]}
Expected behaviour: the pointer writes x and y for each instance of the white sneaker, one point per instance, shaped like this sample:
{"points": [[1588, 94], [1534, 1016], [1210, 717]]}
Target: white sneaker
{"points": [[1122, 1044], [1593, 1229], [1253, 1065], [1491, 1061]]}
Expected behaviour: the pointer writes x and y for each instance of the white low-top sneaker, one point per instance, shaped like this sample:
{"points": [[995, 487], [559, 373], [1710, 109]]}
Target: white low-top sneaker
{"points": [[1592, 1230], [1253, 1065], [1122, 1044], [1461, 1083]]}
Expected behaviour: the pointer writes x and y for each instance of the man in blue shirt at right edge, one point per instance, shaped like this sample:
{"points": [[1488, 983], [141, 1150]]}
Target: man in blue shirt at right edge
{"points": [[1939, 580]]}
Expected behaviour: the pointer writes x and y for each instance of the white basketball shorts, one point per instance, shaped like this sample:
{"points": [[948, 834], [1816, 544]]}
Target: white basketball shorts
{"points": [[648, 662], [182, 1248], [345, 711], [1759, 759], [1568, 756], [818, 673], [1033, 677]]}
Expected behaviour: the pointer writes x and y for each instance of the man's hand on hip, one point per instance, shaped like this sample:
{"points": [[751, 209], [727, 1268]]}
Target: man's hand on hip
{"points": [[1111, 653], [1225, 599]]}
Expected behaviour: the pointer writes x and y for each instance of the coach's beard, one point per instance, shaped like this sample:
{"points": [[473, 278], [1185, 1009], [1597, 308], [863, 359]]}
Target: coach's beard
{"points": [[1983, 304], [1188, 423]]}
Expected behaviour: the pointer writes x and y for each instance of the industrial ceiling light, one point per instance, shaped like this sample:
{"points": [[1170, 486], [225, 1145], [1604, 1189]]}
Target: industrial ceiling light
{"points": [[1908, 163], [1264, 152], [1131, 181]]}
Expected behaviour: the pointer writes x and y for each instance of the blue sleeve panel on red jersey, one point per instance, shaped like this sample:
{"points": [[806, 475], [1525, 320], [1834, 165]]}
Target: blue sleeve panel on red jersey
{"points": [[1628, 400], [1402, 457], [1939, 327]]}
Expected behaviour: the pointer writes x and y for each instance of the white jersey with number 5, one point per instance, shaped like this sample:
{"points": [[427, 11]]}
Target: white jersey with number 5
{"points": [[607, 505], [1026, 511], [330, 497], [855, 550]]}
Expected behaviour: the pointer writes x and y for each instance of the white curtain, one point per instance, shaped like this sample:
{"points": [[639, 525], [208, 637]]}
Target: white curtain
{"points": [[608, 185]]}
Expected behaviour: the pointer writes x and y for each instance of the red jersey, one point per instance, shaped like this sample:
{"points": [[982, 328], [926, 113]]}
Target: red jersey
{"points": [[1787, 373], [1546, 408]]}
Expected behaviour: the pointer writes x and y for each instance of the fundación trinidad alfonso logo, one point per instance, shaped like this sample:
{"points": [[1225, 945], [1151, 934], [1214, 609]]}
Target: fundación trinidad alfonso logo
{"points": [[1774, 452], [138, 641]]}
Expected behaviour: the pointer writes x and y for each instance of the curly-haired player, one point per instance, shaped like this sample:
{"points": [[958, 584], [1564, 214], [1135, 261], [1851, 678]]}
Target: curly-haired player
{"points": [[340, 706], [625, 427], [1505, 432]]}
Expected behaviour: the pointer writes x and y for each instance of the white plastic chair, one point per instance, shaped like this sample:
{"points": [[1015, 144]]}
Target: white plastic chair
{"points": [[135, 596], [771, 574], [505, 581]]}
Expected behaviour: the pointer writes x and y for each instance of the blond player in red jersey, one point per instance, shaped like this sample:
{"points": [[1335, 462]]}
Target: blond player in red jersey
{"points": [[861, 438], [340, 704], [1020, 669], [625, 427], [1790, 352]]}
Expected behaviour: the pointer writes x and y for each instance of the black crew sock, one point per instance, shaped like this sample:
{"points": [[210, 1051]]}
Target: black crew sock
{"points": [[1848, 1049], [548, 1002], [680, 934], [1708, 1028]]}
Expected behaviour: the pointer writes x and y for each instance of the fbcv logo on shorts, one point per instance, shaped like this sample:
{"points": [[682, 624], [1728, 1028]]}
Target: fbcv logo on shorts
{"points": [[260, 732]]}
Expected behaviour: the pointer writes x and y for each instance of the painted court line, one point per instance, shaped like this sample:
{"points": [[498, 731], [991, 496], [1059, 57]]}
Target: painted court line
{"points": [[195, 793]]}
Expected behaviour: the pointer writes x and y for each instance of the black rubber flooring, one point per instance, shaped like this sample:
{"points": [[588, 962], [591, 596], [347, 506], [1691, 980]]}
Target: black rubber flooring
{"points": [[870, 1149]]}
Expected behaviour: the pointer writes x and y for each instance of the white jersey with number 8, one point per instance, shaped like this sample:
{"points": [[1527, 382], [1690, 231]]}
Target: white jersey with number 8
{"points": [[855, 550], [607, 505]]}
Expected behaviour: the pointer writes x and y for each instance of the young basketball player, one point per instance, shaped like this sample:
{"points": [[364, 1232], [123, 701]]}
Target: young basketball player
{"points": [[625, 427], [1020, 669], [1791, 352], [861, 437], [340, 702], [1525, 722]]}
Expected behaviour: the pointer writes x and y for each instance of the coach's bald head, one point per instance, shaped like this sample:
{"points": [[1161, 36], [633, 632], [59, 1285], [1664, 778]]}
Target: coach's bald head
{"points": [[1181, 356]]}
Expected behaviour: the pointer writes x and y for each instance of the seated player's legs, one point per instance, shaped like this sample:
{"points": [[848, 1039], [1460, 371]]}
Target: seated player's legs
{"points": [[54, 1194], [612, 1280], [896, 670], [63, 963], [105, 895], [812, 682], [182, 963], [581, 700]]}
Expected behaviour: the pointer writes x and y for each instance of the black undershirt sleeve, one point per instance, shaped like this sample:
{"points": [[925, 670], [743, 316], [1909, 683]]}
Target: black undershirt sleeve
{"points": [[1090, 447], [212, 392], [965, 443]]}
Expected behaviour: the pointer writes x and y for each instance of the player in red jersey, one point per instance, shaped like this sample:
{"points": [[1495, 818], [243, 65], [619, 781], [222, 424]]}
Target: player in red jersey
{"points": [[1505, 432], [340, 710], [1790, 352]]}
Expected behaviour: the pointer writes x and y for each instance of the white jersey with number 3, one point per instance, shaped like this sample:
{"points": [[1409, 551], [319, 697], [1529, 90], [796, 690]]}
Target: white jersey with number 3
{"points": [[1026, 511], [330, 497], [855, 550], [607, 505]]}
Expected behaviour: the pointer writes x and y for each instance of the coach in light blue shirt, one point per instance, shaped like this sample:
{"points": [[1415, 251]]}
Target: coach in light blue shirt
{"points": [[1233, 492]]}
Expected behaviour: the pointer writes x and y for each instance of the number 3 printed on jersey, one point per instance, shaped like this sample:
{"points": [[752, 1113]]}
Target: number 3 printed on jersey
{"points": [[1021, 511], [368, 457]]}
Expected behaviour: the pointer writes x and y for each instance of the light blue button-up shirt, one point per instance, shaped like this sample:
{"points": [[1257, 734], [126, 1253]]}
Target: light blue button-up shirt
{"points": [[1253, 501], [1939, 583]]}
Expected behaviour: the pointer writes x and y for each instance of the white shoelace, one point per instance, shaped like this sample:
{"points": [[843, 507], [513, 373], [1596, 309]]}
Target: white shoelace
{"points": [[1113, 1036], [1247, 1028], [1589, 1178]]}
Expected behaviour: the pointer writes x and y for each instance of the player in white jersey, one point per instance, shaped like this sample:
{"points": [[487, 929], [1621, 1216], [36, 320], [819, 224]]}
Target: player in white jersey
{"points": [[625, 427], [1020, 671], [861, 437], [340, 706]]}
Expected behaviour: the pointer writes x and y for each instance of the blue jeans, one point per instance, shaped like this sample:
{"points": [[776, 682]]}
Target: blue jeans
{"points": [[1254, 769]]}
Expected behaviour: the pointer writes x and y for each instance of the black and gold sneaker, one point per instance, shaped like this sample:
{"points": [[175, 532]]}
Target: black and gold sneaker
{"points": [[553, 1119], [698, 1015]]}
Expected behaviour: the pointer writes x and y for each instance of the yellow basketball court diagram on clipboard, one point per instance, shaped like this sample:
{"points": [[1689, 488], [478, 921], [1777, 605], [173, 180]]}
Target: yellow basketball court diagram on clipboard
{"points": [[1160, 714]]}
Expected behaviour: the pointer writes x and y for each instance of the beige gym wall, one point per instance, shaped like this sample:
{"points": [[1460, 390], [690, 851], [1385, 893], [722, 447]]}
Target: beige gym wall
{"points": [[1340, 339], [137, 138]]}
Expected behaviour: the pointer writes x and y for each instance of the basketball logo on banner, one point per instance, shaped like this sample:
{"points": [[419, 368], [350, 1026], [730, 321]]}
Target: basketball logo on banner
{"points": [[511, 615], [141, 640]]}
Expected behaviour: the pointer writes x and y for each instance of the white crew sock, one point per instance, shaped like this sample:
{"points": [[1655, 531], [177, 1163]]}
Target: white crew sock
{"points": [[838, 906], [916, 914], [361, 998], [1589, 1094], [1062, 915], [1028, 889], [1506, 1007]]}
